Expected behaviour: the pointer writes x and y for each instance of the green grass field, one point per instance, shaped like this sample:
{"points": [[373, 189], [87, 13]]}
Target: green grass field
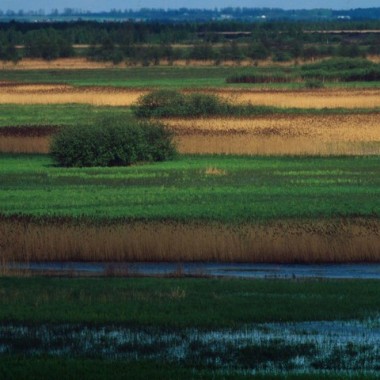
{"points": [[184, 303], [55, 310], [57, 114], [200, 191], [159, 77], [72, 114], [249, 189]]}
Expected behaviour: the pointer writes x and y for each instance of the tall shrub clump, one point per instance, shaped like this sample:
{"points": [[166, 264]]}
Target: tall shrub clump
{"points": [[168, 103], [112, 141]]}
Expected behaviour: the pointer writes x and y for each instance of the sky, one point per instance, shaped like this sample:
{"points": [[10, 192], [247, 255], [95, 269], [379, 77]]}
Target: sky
{"points": [[101, 5]]}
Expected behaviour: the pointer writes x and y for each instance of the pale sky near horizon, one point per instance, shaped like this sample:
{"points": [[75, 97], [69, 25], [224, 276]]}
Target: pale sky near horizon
{"points": [[98, 5]]}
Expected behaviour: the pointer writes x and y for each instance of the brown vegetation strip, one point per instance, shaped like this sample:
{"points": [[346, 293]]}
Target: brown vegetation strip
{"points": [[355, 134], [29, 131], [330, 241], [82, 63], [62, 94], [324, 98], [11, 93], [280, 134]]}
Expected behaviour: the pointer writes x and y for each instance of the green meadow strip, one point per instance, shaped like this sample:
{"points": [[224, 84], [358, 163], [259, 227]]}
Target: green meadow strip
{"points": [[181, 303], [73, 114], [249, 189]]}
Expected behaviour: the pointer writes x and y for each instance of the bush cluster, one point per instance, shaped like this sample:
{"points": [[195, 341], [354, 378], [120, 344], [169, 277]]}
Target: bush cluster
{"points": [[336, 69], [112, 141], [166, 103]]}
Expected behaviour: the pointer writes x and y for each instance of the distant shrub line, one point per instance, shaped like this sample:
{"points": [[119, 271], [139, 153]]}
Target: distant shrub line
{"points": [[343, 70], [170, 103]]}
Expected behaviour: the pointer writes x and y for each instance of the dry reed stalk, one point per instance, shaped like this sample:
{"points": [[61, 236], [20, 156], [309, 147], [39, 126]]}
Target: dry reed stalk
{"points": [[253, 145], [264, 135], [233, 144], [351, 127], [83, 63], [58, 64], [280, 134], [349, 240], [325, 98], [67, 94], [20, 144]]}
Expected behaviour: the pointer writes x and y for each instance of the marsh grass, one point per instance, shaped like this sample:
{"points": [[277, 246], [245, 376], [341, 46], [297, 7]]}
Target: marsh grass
{"points": [[16, 368], [278, 134], [303, 241], [29, 144]]}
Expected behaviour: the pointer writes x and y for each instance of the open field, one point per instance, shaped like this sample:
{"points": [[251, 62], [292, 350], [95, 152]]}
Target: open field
{"points": [[62, 94], [325, 98], [339, 134], [184, 303], [186, 77], [107, 96], [219, 188], [189, 328], [38, 115], [194, 208], [280, 134]]}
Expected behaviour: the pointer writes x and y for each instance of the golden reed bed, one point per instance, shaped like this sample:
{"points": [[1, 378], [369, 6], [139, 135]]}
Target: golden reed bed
{"points": [[82, 63], [330, 241], [278, 135], [11, 93]]}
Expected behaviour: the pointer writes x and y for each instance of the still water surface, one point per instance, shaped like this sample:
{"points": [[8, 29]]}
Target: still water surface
{"points": [[238, 270]]}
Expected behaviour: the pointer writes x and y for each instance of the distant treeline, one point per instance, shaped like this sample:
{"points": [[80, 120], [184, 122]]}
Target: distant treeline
{"points": [[185, 14], [151, 42]]}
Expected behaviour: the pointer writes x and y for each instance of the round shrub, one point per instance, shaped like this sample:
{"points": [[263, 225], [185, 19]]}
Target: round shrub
{"points": [[168, 103], [112, 141], [160, 103]]}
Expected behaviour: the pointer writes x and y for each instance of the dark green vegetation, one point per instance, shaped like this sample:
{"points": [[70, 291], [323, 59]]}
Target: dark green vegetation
{"points": [[45, 368], [248, 189], [168, 77], [332, 70], [12, 368], [166, 103], [179, 303], [112, 141], [57, 115], [150, 42]]}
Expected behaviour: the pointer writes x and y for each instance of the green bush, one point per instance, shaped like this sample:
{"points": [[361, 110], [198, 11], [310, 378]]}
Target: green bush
{"points": [[167, 103], [159, 103], [112, 141]]}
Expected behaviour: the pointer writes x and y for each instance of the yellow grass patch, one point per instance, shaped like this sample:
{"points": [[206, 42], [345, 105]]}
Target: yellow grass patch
{"points": [[292, 134], [58, 64], [214, 171], [353, 240], [110, 96], [83, 63], [20, 144], [325, 98], [61, 94], [279, 134]]}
